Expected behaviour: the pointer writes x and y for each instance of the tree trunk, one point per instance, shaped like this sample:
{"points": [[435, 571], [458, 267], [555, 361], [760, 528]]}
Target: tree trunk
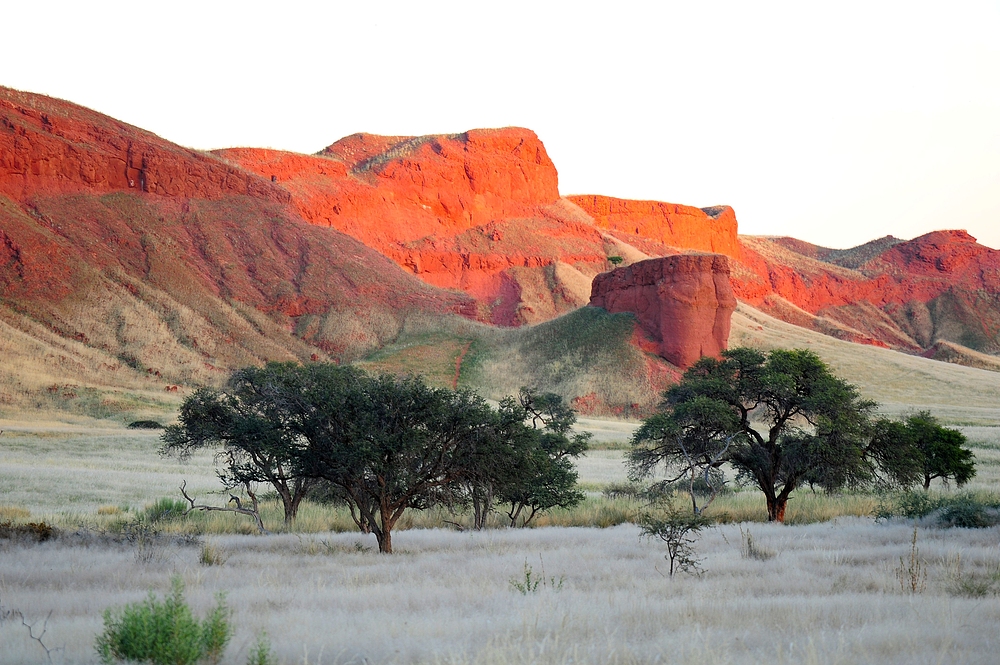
{"points": [[776, 508], [482, 501], [384, 539], [383, 533], [927, 482]]}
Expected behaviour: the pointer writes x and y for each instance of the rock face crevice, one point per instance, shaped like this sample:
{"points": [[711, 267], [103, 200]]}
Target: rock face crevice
{"points": [[683, 302]]}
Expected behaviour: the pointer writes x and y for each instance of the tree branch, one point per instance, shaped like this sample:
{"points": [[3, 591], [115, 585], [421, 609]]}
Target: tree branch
{"points": [[252, 512]]}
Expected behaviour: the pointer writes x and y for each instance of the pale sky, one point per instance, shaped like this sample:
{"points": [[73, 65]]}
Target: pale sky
{"points": [[834, 122]]}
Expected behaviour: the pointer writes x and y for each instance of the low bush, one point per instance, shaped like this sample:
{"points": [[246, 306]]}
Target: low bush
{"points": [[145, 424], [165, 509], [975, 510], [38, 532], [164, 632]]}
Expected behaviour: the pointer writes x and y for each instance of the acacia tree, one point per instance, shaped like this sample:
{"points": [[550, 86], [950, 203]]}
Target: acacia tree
{"points": [[942, 451], [693, 439], [543, 476], [780, 419], [393, 444], [248, 419]]}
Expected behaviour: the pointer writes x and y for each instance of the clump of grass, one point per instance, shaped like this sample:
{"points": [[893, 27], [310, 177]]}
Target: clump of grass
{"points": [[109, 510], [165, 509], [751, 549], [14, 513], [164, 632], [211, 555], [974, 584], [912, 571]]}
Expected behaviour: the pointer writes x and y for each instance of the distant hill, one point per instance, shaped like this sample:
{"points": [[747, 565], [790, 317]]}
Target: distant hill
{"points": [[133, 269]]}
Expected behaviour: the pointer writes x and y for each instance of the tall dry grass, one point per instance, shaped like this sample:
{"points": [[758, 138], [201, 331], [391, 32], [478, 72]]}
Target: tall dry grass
{"points": [[828, 595]]}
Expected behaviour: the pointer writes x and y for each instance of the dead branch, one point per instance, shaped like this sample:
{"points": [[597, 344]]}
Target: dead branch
{"points": [[6, 614], [252, 512]]}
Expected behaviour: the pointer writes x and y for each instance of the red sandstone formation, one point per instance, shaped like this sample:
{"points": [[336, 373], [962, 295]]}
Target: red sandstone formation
{"points": [[684, 302], [83, 196], [49, 146], [103, 225], [685, 227], [906, 295], [478, 212]]}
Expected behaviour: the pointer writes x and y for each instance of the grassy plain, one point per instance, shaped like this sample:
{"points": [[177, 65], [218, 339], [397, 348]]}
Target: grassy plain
{"points": [[829, 594]]}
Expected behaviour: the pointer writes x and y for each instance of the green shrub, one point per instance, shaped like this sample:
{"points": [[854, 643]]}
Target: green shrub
{"points": [[261, 652], [164, 633], [165, 509], [966, 509], [145, 424]]}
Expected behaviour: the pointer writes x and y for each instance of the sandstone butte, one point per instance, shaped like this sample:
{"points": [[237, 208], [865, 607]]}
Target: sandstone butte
{"points": [[477, 212], [683, 303], [481, 212]]}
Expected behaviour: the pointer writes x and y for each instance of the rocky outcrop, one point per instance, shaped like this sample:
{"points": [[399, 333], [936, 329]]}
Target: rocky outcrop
{"points": [[706, 229], [683, 302], [478, 212]]}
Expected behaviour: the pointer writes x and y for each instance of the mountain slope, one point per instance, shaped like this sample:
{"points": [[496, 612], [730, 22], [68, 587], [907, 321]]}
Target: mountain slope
{"points": [[908, 295]]}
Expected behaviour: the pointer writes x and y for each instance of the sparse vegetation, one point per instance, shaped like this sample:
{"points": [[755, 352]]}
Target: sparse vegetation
{"points": [[678, 529], [912, 570], [145, 424], [751, 549], [530, 581]]}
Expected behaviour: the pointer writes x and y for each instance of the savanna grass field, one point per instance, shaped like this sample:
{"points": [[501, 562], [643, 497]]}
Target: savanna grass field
{"points": [[832, 585]]}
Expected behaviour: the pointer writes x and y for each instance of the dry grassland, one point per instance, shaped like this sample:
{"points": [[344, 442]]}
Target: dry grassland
{"points": [[897, 381], [830, 594]]}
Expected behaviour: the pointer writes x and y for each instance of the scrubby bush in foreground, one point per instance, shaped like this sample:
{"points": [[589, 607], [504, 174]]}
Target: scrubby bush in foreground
{"points": [[164, 633]]}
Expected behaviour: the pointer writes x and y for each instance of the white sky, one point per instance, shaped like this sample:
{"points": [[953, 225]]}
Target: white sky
{"points": [[834, 122]]}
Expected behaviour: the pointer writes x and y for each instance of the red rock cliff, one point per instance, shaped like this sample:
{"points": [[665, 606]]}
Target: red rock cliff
{"points": [[51, 146], [684, 302], [708, 229]]}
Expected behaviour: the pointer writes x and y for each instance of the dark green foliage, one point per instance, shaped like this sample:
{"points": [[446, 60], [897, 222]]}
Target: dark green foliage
{"points": [[780, 419], [249, 420], [164, 632], [543, 474], [942, 451], [384, 444], [165, 509], [967, 509], [145, 424]]}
